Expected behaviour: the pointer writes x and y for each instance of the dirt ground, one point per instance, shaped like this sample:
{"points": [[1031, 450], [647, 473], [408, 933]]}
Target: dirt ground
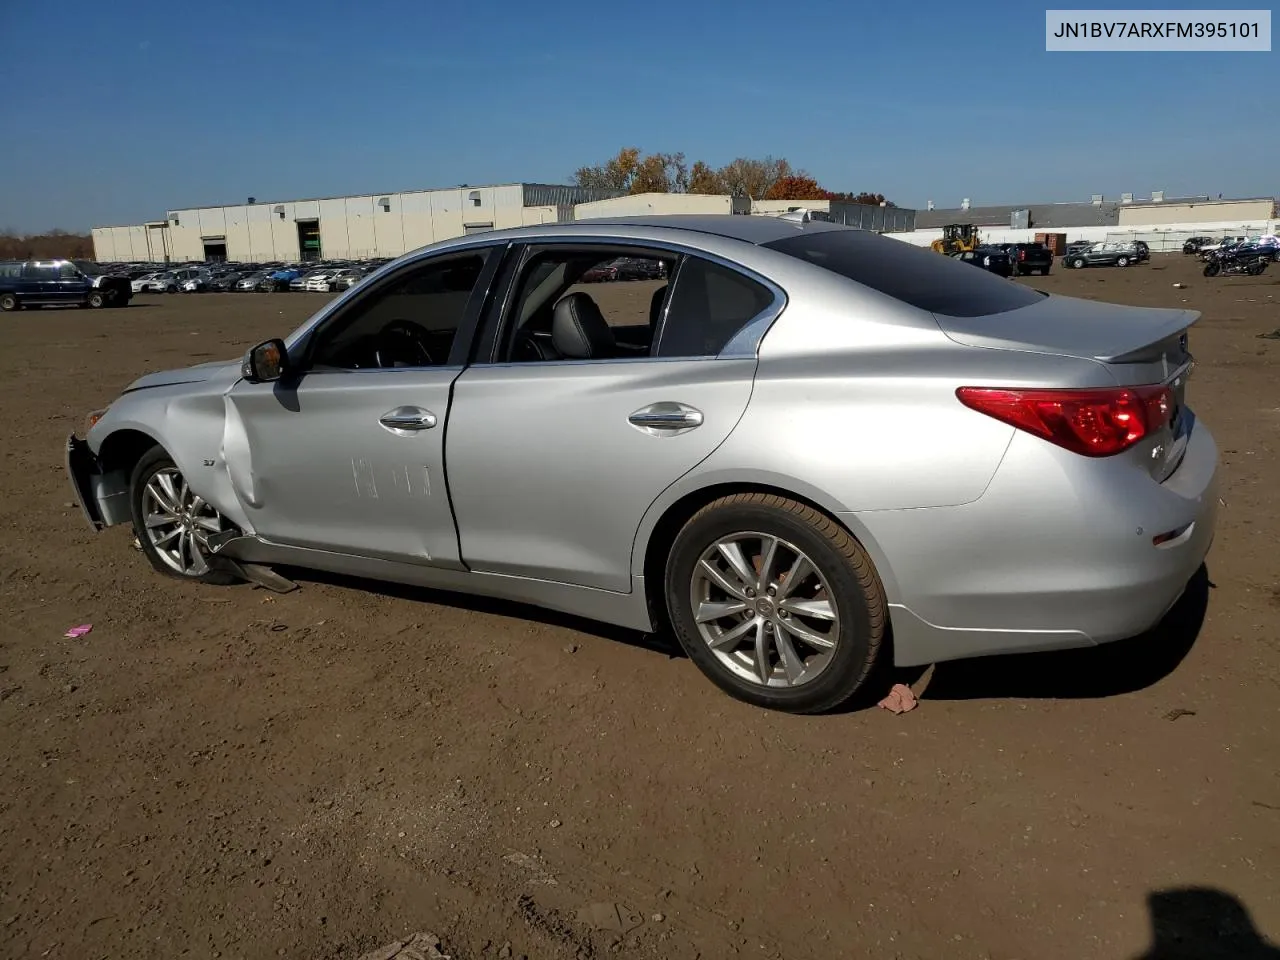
{"points": [[220, 772]]}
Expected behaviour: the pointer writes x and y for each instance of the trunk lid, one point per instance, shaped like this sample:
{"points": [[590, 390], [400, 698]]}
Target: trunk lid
{"points": [[1072, 327], [1137, 345]]}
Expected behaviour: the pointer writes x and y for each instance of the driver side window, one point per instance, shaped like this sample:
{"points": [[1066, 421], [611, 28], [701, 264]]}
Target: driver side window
{"points": [[409, 322]]}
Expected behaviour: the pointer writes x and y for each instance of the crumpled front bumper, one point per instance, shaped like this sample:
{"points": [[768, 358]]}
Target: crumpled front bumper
{"points": [[103, 498]]}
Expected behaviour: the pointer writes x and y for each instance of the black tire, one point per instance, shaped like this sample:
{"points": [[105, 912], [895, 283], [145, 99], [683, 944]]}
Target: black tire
{"points": [[152, 462], [96, 299], [8, 302], [1255, 269], [1212, 268], [1044, 271], [1122, 261], [1078, 263], [855, 590]]}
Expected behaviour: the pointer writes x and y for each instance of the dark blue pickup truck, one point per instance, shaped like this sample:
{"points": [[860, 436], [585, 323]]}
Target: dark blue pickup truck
{"points": [[38, 283]]}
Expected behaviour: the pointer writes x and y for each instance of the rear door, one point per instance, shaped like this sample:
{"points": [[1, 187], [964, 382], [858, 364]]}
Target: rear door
{"points": [[39, 283], [553, 461]]}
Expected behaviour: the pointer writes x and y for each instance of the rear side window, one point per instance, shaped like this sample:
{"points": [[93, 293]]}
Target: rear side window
{"points": [[708, 305], [914, 275]]}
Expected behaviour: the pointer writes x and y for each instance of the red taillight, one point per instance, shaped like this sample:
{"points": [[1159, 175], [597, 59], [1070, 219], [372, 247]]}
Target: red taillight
{"points": [[1094, 423]]}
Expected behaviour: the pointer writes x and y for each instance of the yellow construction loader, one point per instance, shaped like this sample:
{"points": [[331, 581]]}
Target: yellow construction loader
{"points": [[956, 238]]}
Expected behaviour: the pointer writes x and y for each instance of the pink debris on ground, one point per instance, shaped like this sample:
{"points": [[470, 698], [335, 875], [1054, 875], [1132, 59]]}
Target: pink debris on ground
{"points": [[76, 632], [900, 699]]}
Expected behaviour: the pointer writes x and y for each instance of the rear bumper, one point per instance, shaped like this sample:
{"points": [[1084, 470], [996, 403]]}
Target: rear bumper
{"points": [[103, 498], [1057, 553]]}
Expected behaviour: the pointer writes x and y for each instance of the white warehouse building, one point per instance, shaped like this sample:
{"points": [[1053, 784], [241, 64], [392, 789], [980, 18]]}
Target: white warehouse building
{"points": [[372, 225]]}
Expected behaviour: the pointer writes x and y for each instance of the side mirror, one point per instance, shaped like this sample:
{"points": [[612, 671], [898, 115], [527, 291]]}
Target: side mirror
{"points": [[265, 362]]}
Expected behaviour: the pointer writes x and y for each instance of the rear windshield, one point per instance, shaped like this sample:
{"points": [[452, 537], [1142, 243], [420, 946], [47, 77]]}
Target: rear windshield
{"points": [[915, 275]]}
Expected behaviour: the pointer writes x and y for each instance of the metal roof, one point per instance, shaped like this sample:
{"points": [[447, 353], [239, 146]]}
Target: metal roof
{"points": [[546, 188], [1043, 215]]}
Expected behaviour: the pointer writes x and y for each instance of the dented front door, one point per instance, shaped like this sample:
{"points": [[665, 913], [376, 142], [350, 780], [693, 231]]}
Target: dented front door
{"points": [[348, 461]]}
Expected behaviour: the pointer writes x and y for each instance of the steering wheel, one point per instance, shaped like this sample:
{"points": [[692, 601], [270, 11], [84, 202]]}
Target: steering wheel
{"points": [[403, 337]]}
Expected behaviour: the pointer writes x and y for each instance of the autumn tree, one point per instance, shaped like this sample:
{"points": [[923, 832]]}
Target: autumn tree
{"points": [[616, 173], [632, 171], [51, 245], [702, 179], [661, 173], [798, 186], [875, 199], [745, 177]]}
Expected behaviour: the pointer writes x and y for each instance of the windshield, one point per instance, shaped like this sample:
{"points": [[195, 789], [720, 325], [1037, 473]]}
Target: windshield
{"points": [[914, 275]]}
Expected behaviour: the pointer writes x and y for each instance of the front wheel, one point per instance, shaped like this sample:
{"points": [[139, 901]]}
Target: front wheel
{"points": [[8, 302], [1255, 269], [173, 523], [1078, 263], [97, 300], [1122, 262], [1212, 268], [775, 602]]}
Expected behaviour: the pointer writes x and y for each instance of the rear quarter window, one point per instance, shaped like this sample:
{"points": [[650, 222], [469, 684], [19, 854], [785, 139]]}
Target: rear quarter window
{"points": [[914, 275]]}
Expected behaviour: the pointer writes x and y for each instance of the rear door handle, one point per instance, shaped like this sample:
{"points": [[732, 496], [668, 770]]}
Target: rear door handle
{"points": [[666, 418], [408, 418]]}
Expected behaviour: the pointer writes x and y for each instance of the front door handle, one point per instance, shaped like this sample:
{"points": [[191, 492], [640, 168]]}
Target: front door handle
{"points": [[666, 419], [408, 418]]}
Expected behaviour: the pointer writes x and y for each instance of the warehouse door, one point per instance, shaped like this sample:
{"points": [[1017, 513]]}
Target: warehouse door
{"points": [[309, 239], [215, 249]]}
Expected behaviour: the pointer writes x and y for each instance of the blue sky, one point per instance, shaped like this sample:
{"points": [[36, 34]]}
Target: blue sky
{"points": [[119, 111]]}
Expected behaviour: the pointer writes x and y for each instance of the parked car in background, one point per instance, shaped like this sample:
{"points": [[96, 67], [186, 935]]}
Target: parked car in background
{"points": [[147, 282], [41, 283], [1029, 258], [637, 268], [993, 259], [1141, 250], [1102, 255], [1193, 244]]}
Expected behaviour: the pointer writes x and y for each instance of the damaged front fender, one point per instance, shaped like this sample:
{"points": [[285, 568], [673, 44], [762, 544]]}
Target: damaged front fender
{"points": [[103, 497]]}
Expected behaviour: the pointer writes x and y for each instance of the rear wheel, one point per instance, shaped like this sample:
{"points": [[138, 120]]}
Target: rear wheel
{"points": [[8, 302], [1078, 263], [1122, 262], [1044, 271], [172, 523], [97, 300], [1256, 268], [775, 602], [1212, 268]]}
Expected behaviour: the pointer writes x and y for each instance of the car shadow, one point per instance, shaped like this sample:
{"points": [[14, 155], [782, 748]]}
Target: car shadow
{"points": [[1123, 666], [1201, 923], [661, 642]]}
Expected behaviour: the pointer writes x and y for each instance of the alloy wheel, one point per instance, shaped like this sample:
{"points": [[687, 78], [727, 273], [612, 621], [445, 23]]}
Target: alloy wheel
{"points": [[178, 522], [764, 609]]}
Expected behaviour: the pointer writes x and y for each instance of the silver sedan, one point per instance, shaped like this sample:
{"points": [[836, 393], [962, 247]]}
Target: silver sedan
{"points": [[800, 438]]}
